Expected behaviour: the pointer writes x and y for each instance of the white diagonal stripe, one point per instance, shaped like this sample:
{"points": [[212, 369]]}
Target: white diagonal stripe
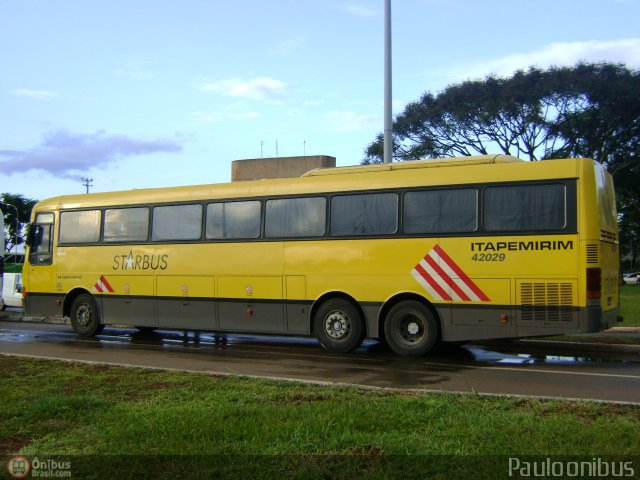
{"points": [[454, 277], [435, 295], [443, 282]]}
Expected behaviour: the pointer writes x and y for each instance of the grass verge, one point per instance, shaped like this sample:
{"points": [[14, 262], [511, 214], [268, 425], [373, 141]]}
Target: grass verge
{"points": [[260, 429], [630, 302]]}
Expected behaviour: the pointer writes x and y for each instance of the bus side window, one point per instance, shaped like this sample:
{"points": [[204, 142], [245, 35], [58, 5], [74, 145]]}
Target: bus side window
{"points": [[41, 240]]}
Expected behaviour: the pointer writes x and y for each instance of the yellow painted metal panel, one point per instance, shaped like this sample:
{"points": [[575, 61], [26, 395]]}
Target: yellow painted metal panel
{"points": [[253, 287], [199, 286]]}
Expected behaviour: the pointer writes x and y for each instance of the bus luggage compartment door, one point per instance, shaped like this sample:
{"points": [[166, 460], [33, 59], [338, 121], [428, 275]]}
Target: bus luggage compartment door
{"points": [[251, 304], [132, 301], [186, 301]]}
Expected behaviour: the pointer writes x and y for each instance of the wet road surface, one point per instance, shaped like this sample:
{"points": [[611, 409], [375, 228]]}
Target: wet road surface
{"points": [[499, 369]]}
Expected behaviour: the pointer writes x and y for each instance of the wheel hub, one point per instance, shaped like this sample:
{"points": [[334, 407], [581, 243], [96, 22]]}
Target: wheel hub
{"points": [[413, 328], [337, 325], [83, 315]]}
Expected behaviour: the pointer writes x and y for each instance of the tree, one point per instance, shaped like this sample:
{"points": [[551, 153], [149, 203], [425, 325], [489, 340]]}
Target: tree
{"points": [[23, 206], [589, 110]]}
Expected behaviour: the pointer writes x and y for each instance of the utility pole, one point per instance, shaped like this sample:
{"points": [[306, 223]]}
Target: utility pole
{"points": [[87, 182], [388, 119]]}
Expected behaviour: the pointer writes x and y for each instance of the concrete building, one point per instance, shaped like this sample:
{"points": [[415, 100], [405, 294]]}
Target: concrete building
{"points": [[278, 167]]}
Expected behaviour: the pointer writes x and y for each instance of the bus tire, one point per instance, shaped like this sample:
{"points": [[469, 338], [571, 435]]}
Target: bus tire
{"points": [[338, 325], [411, 329], [85, 316]]}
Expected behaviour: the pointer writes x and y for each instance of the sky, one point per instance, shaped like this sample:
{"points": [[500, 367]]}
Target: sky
{"points": [[154, 93]]}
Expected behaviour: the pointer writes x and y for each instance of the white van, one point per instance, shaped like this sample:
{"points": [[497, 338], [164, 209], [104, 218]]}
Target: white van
{"points": [[11, 291]]}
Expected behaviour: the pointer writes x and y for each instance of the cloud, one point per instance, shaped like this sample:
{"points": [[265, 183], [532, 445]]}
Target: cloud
{"points": [[35, 94], [360, 11], [213, 117], [347, 121], [64, 154], [288, 47], [625, 51], [261, 88]]}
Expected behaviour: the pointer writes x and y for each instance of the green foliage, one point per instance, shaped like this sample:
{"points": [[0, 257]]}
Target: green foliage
{"points": [[23, 206], [590, 110], [630, 302]]}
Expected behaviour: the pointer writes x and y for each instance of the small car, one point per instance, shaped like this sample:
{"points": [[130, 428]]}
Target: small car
{"points": [[631, 278]]}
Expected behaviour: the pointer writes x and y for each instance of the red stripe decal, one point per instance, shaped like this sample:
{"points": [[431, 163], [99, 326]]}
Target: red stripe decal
{"points": [[463, 276], [423, 273], [449, 280], [106, 284]]}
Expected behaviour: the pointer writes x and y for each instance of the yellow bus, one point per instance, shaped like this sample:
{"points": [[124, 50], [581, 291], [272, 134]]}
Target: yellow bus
{"points": [[407, 253]]}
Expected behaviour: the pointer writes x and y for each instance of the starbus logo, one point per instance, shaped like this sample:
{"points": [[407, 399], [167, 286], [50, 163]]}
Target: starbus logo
{"points": [[140, 262]]}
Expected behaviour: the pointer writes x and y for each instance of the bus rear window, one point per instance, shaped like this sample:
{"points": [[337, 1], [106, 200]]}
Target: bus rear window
{"points": [[80, 227], [517, 208]]}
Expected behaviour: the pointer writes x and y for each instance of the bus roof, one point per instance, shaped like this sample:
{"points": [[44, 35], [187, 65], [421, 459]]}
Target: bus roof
{"points": [[340, 179], [431, 163]]}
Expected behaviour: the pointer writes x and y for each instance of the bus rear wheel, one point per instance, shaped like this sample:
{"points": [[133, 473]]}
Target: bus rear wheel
{"points": [[85, 317], [338, 326], [410, 329]]}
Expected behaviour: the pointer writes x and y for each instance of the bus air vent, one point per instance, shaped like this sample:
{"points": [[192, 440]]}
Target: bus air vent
{"points": [[592, 254], [546, 302]]}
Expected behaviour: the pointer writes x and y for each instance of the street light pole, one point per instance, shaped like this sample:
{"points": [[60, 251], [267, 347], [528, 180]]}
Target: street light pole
{"points": [[388, 119]]}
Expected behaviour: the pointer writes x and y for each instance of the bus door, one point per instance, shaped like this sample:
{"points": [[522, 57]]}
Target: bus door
{"points": [[40, 268]]}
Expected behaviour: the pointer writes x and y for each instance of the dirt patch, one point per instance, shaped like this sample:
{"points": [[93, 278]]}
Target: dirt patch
{"points": [[584, 412], [9, 446]]}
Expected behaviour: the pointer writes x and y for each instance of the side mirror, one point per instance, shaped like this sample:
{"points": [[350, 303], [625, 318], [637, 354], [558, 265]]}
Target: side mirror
{"points": [[34, 235]]}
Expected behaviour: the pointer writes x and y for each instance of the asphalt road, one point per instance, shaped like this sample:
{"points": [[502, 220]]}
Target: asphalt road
{"points": [[521, 369]]}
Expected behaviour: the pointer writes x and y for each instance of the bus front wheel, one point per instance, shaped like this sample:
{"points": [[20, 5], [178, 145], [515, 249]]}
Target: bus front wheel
{"points": [[337, 325], [85, 317], [411, 329]]}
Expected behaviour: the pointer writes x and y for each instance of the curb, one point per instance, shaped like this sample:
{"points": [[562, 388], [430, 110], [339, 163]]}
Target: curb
{"points": [[623, 330], [9, 317], [580, 346]]}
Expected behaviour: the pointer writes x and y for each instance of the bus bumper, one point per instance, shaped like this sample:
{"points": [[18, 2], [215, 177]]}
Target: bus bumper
{"points": [[597, 320]]}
